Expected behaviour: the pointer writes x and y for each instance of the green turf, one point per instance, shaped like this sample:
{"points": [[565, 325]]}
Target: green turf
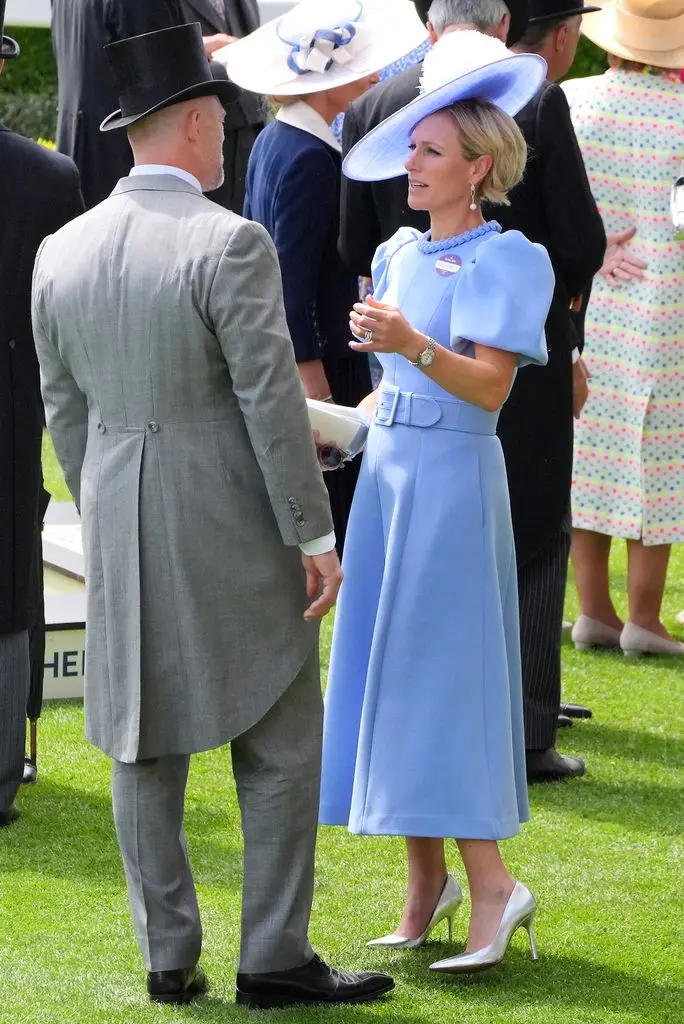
{"points": [[603, 855]]}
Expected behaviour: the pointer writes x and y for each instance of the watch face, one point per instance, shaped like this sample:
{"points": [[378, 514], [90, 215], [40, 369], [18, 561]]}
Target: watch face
{"points": [[427, 358]]}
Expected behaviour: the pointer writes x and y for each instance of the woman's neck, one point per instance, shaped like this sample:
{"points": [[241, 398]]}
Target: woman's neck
{"points": [[452, 222], [323, 105]]}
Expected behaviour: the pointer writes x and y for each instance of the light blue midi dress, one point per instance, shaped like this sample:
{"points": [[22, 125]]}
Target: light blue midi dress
{"points": [[423, 713]]}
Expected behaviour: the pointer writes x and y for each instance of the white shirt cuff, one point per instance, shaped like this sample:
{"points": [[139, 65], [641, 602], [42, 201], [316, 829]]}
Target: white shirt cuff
{"points": [[576, 356], [318, 546]]}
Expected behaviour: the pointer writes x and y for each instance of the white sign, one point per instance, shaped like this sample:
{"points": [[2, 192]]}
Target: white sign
{"points": [[64, 670], [37, 12]]}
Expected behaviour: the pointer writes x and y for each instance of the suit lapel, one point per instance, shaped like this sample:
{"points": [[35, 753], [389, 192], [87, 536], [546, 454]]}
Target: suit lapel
{"points": [[250, 16], [205, 9]]}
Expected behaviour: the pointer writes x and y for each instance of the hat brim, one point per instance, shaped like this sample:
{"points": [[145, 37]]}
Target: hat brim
{"points": [[9, 48], [570, 12], [254, 64], [226, 92], [518, 23], [509, 84], [602, 30]]}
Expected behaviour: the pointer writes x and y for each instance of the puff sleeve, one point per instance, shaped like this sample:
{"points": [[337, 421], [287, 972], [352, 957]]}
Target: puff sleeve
{"points": [[383, 257], [502, 298]]}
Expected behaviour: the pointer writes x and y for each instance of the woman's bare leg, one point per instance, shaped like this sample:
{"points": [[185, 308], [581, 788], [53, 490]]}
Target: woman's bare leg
{"points": [[427, 873], [490, 884], [590, 555], [647, 572]]}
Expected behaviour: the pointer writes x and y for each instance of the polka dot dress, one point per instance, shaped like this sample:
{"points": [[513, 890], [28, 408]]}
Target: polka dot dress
{"points": [[628, 478]]}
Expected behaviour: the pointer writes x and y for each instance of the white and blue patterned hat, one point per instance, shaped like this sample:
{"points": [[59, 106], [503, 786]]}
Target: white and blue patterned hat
{"points": [[323, 44], [462, 65]]}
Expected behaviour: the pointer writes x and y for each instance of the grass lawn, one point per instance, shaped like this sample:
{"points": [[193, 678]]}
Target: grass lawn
{"points": [[603, 855]]}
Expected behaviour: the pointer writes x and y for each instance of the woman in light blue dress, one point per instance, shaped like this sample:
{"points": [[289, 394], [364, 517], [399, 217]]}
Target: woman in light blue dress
{"points": [[423, 727]]}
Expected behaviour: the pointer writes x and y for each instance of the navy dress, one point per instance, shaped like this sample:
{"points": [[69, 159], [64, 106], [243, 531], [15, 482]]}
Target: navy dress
{"points": [[293, 189], [423, 716]]}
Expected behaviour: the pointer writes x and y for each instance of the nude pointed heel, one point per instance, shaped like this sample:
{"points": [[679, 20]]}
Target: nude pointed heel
{"points": [[589, 633]]}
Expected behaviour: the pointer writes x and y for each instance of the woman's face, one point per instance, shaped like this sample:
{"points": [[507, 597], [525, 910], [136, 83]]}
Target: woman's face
{"points": [[439, 174]]}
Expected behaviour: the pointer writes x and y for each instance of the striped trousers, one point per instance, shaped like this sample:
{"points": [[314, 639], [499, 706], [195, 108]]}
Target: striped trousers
{"points": [[541, 593], [15, 674]]}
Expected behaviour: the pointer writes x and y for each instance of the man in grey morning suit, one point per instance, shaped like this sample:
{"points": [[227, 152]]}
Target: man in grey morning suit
{"points": [[175, 406]]}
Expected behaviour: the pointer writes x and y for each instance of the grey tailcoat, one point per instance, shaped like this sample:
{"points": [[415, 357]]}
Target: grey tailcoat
{"points": [[176, 410]]}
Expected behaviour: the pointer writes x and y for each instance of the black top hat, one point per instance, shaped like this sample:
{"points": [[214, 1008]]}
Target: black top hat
{"points": [[9, 48], [518, 10], [546, 10], [158, 69]]}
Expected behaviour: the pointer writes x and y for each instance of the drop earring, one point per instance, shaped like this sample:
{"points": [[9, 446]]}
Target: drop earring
{"points": [[473, 204]]}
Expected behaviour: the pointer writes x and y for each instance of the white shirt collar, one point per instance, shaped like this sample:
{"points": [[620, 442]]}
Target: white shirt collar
{"points": [[141, 169], [301, 115]]}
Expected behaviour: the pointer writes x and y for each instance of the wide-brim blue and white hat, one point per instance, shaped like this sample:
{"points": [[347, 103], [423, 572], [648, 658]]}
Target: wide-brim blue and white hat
{"points": [[462, 65], [323, 44]]}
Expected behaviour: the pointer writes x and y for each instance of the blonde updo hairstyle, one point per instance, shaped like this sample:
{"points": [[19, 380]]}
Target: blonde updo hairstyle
{"points": [[485, 130], [284, 101]]}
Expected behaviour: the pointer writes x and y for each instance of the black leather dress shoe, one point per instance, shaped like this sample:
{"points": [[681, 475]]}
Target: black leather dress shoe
{"points": [[575, 711], [550, 766], [30, 771], [315, 982], [564, 721], [180, 986], [8, 816]]}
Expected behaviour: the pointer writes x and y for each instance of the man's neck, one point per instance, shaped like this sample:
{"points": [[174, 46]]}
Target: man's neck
{"points": [[551, 76]]}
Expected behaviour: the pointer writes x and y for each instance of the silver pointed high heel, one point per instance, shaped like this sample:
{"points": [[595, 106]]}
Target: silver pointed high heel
{"points": [[588, 633], [518, 913], [448, 903], [635, 641]]}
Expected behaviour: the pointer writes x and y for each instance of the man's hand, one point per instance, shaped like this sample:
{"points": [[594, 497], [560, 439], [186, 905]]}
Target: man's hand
{"points": [[212, 43], [618, 264], [314, 379], [580, 387], [323, 582]]}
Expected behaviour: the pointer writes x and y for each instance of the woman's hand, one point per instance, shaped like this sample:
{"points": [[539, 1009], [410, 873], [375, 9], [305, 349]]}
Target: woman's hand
{"points": [[314, 380], [620, 265], [391, 330], [329, 455], [217, 42]]}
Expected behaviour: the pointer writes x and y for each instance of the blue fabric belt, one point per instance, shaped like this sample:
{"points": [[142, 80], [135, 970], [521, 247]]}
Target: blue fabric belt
{"points": [[413, 410]]}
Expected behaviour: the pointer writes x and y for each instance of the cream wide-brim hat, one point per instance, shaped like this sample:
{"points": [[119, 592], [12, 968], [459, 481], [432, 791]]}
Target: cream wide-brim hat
{"points": [[463, 65], [648, 31], [323, 44]]}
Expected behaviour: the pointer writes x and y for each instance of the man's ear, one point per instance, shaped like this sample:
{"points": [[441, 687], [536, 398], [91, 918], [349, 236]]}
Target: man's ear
{"points": [[502, 29], [431, 33], [560, 40]]}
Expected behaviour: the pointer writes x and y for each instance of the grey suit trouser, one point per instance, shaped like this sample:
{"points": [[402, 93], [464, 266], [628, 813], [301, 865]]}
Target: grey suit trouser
{"points": [[276, 765], [15, 677]]}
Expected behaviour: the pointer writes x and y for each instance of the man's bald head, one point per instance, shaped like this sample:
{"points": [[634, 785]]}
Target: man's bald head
{"points": [[188, 135]]}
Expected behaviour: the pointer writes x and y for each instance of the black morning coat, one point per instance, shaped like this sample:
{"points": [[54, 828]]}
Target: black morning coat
{"points": [[553, 205], [80, 28], [39, 192]]}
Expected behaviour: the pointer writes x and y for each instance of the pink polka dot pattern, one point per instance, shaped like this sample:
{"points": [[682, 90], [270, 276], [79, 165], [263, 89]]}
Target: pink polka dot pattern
{"points": [[628, 478]]}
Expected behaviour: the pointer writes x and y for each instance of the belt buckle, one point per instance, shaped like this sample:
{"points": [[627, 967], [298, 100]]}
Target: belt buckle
{"points": [[392, 411]]}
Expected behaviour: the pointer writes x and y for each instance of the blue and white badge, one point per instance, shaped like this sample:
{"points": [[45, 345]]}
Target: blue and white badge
{"points": [[448, 265]]}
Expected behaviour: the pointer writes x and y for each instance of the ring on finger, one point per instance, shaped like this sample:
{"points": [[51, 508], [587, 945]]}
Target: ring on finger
{"points": [[367, 336]]}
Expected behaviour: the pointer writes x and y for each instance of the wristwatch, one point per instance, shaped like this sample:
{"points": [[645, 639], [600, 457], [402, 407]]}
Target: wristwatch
{"points": [[427, 356]]}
